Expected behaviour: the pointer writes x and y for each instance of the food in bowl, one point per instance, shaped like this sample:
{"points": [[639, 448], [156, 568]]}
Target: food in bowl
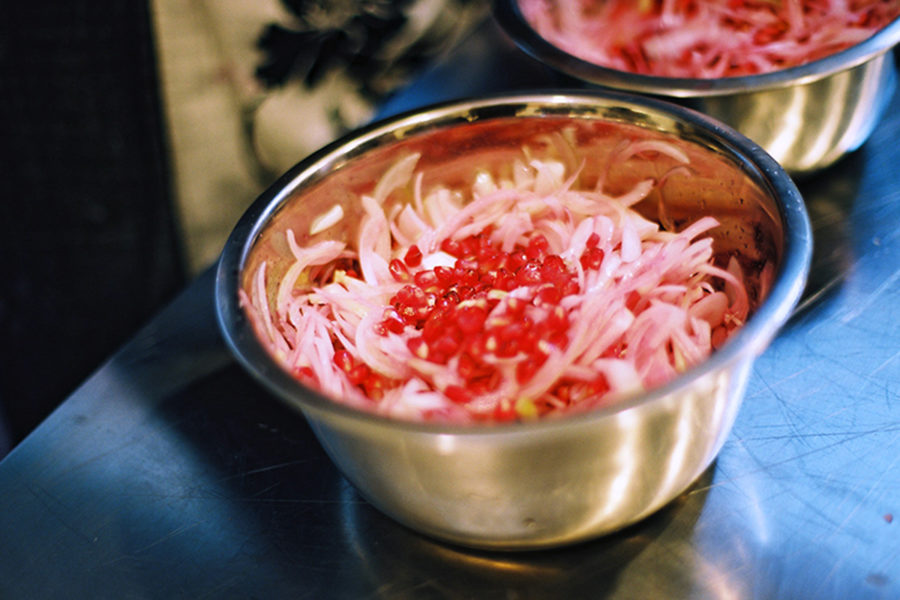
{"points": [[536, 482], [529, 292], [706, 39]]}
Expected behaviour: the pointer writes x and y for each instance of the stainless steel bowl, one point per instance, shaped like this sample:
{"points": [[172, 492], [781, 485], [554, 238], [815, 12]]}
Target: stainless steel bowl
{"points": [[806, 117], [552, 482]]}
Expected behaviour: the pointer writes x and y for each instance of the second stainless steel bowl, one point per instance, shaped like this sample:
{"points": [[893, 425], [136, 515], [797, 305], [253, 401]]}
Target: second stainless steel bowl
{"points": [[806, 117]]}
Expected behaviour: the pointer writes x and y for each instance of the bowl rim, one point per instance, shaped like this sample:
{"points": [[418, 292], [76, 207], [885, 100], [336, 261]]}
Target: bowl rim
{"points": [[512, 21], [753, 337]]}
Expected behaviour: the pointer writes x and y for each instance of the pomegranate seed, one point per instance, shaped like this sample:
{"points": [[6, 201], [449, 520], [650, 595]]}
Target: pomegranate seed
{"points": [[418, 347], [410, 295], [434, 327], [529, 274], [457, 394], [305, 374], [557, 320], [374, 386], [517, 260], [413, 257], [470, 318], [485, 384], [392, 322], [469, 247], [409, 314], [398, 270], [515, 307], [446, 345], [537, 247], [491, 344], [570, 287], [452, 297], [444, 275], [505, 281], [358, 374], [526, 369], [559, 339], [426, 279], [504, 411], [467, 367], [631, 301], [507, 348], [549, 294], [451, 247], [554, 262], [465, 292], [512, 331], [490, 259], [344, 360], [477, 346], [592, 258]]}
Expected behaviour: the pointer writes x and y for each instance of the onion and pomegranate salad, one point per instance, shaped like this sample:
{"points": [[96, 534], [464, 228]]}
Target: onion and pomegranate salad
{"points": [[522, 296], [706, 39]]}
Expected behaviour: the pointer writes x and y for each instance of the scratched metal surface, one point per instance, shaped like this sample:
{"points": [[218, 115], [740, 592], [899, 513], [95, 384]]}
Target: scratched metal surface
{"points": [[170, 474]]}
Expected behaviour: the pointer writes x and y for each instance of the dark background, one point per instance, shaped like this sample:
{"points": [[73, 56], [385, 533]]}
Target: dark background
{"points": [[89, 243]]}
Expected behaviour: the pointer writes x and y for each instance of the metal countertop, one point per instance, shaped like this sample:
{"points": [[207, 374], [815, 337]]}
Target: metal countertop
{"points": [[171, 474]]}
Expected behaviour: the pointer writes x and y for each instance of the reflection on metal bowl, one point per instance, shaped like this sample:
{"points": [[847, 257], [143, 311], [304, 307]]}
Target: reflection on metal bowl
{"points": [[806, 117], [557, 481]]}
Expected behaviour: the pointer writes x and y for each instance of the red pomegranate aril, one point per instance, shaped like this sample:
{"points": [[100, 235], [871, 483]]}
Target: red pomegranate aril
{"points": [[358, 374], [512, 331], [344, 360], [413, 256], [485, 384], [426, 279], [559, 339], [444, 275], [529, 274], [392, 322], [435, 326], [507, 348], [465, 292], [557, 319], [526, 369], [516, 260], [592, 258], [487, 280], [410, 295], [374, 386], [537, 247], [504, 411], [490, 259], [418, 347], [505, 281], [570, 287], [476, 346], [470, 318], [451, 247], [452, 297], [549, 294], [471, 369], [408, 314], [457, 394], [446, 345], [398, 270], [469, 247], [305, 374], [515, 307]]}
